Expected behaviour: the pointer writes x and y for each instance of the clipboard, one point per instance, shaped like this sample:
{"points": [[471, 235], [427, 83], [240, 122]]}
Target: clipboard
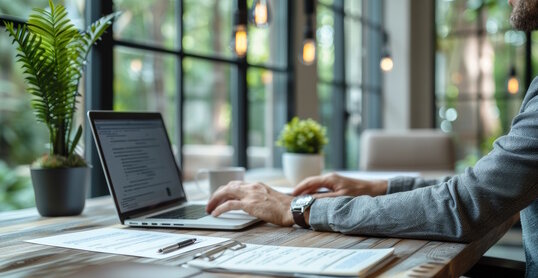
{"points": [[236, 257], [213, 253]]}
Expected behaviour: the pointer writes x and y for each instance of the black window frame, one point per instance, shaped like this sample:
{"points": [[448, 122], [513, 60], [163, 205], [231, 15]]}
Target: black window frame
{"points": [[479, 32], [370, 83], [100, 84]]}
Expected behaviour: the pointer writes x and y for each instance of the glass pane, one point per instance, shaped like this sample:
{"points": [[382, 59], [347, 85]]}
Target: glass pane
{"points": [[504, 50], [267, 116], [326, 115], [461, 120], [269, 45], [326, 2], [23, 8], [353, 40], [207, 116], [149, 22], [456, 15], [208, 27], [325, 43], [497, 16], [353, 7], [145, 81], [353, 126], [461, 72], [457, 67]]}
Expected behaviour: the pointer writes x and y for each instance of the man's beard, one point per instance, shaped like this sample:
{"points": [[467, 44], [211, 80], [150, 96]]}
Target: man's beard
{"points": [[525, 15]]}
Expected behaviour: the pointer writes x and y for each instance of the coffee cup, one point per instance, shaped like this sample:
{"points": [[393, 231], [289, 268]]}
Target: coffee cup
{"points": [[220, 176]]}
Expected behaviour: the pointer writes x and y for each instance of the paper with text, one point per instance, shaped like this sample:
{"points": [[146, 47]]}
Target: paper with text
{"points": [[299, 260], [126, 242]]}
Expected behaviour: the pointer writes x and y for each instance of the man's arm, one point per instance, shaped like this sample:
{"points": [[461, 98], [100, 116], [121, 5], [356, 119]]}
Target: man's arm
{"points": [[462, 208], [401, 184]]}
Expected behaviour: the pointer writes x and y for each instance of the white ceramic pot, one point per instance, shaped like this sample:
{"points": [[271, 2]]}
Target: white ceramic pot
{"points": [[298, 166]]}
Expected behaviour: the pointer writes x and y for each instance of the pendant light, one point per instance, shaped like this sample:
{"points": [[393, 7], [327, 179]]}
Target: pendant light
{"points": [[260, 13], [308, 47], [513, 83], [386, 63], [239, 42]]}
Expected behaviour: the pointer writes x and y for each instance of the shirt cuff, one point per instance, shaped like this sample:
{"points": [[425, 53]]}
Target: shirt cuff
{"points": [[400, 184], [319, 214]]}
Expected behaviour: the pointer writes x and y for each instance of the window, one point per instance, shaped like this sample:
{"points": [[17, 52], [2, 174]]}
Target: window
{"points": [[349, 82], [22, 138], [476, 49], [175, 57]]}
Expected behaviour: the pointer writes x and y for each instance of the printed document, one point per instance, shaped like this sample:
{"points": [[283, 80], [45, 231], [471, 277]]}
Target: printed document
{"points": [[126, 242], [296, 260]]}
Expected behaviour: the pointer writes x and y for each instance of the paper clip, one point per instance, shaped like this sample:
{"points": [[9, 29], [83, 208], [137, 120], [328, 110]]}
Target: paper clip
{"points": [[217, 251]]}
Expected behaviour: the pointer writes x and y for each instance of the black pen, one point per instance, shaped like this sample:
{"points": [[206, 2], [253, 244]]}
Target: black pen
{"points": [[177, 246]]}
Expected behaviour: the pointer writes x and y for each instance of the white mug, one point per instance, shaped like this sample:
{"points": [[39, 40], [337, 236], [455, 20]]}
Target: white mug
{"points": [[220, 176]]}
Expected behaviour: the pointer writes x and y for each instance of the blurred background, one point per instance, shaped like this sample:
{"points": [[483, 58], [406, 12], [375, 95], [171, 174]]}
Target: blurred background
{"points": [[456, 65]]}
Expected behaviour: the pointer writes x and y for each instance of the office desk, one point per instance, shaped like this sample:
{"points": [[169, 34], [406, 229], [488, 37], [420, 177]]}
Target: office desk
{"points": [[413, 258]]}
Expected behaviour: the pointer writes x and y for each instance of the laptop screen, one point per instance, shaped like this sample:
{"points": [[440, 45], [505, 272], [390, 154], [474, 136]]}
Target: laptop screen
{"points": [[139, 161]]}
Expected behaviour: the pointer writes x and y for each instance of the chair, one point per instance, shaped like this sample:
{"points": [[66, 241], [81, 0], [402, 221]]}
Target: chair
{"points": [[409, 150]]}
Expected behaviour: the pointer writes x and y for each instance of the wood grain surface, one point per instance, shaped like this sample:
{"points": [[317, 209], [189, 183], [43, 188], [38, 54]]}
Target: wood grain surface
{"points": [[412, 258]]}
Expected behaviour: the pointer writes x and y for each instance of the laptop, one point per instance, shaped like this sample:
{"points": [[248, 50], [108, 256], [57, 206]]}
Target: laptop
{"points": [[143, 176]]}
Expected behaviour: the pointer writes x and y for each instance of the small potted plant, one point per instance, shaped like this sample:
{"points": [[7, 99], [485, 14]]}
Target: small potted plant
{"points": [[53, 52], [303, 141]]}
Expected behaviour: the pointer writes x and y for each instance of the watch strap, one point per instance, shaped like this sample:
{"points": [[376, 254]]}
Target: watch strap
{"points": [[298, 218]]}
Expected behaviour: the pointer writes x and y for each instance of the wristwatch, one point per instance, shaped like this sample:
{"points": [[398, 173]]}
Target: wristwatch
{"points": [[298, 206]]}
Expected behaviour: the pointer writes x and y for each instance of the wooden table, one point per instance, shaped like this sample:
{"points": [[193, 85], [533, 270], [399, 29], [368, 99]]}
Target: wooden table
{"points": [[413, 258]]}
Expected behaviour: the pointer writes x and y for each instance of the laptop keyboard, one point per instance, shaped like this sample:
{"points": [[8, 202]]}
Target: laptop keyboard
{"points": [[187, 212]]}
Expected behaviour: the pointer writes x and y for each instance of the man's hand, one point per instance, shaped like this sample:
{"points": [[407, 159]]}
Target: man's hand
{"points": [[340, 186], [257, 199]]}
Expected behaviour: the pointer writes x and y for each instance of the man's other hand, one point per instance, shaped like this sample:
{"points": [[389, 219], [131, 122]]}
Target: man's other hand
{"points": [[340, 186]]}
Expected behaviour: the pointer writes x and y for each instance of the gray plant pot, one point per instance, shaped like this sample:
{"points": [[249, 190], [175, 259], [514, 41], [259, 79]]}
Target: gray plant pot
{"points": [[60, 192]]}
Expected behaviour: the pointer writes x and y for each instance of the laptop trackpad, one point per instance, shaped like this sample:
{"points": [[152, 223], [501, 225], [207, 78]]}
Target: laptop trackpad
{"points": [[236, 214]]}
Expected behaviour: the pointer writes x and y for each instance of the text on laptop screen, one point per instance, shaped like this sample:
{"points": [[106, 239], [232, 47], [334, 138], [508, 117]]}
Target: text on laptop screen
{"points": [[141, 165]]}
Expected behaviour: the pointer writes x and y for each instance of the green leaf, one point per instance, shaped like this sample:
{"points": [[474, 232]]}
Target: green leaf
{"points": [[74, 143], [303, 136], [52, 53]]}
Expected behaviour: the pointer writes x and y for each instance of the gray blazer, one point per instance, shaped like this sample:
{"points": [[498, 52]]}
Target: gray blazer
{"points": [[461, 208]]}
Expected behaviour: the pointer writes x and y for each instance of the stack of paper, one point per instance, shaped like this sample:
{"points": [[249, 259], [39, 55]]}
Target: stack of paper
{"points": [[265, 259]]}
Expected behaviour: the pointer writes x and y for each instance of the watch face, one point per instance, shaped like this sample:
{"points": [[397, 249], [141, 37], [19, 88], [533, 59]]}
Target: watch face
{"points": [[302, 201]]}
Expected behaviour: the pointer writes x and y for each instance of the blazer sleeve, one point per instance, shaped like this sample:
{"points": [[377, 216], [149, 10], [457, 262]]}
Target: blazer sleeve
{"points": [[462, 208], [400, 184]]}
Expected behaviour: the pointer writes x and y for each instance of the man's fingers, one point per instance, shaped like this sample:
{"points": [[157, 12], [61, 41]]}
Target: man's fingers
{"points": [[231, 191], [226, 206], [308, 185]]}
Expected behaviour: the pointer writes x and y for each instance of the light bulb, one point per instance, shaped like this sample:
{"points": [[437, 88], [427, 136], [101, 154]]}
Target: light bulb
{"points": [[259, 14], [239, 41], [308, 54], [386, 63], [513, 85]]}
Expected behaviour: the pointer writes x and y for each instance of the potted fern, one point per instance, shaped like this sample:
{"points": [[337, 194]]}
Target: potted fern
{"points": [[52, 52], [303, 141]]}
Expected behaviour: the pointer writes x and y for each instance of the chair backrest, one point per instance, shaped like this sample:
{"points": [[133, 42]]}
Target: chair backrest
{"points": [[410, 150]]}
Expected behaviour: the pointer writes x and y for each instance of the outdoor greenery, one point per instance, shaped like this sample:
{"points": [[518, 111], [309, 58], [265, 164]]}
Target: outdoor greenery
{"points": [[476, 48], [147, 80], [303, 136], [53, 52], [15, 189]]}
